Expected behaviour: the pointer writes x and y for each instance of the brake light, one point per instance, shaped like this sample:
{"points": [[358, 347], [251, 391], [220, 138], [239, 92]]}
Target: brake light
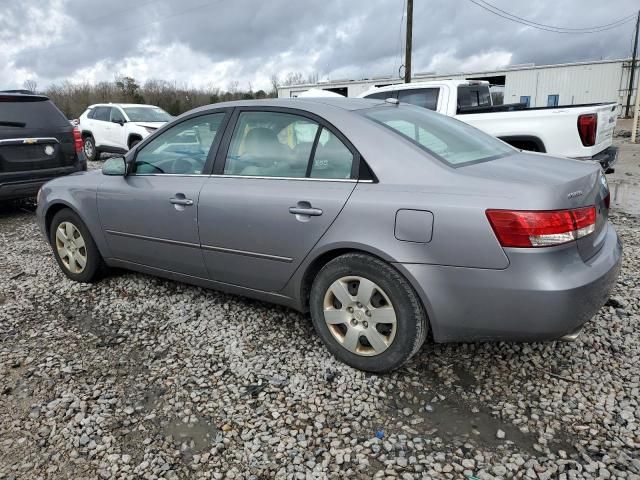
{"points": [[587, 128], [541, 228], [77, 139]]}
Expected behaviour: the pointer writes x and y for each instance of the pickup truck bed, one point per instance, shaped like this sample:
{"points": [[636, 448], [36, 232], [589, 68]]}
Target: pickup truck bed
{"points": [[583, 131]]}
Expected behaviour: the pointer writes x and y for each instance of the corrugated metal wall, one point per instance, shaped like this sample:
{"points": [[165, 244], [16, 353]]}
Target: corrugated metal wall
{"points": [[601, 81]]}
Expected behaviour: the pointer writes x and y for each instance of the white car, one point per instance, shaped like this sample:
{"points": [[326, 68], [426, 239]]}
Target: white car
{"points": [[575, 131], [116, 128]]}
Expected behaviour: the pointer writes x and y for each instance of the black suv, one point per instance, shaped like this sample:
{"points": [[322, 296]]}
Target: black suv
{"points": [[37, 143]]}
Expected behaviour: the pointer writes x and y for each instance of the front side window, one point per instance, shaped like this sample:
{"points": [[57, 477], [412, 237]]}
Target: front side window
{"points": [[147, 114], [447, 139], [422, 97], [183, 149], [116, 115], [274, 144]]}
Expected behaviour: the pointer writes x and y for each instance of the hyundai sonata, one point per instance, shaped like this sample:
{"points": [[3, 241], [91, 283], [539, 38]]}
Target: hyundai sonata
{"points": [[385, 221]]}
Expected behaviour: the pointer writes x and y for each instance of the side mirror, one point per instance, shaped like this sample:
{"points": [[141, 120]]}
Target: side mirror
{"points": [[115, 166], [118, 121]]}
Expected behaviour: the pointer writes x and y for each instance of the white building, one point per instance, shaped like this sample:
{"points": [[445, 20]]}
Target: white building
{"points": [[563, 84]]}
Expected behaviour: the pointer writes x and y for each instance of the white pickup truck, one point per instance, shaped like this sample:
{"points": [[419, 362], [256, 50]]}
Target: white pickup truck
{"points": [[575, 131]]}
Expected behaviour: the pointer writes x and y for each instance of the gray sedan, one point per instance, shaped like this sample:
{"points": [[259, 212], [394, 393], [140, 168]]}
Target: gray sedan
{"points": [[385, 221]]}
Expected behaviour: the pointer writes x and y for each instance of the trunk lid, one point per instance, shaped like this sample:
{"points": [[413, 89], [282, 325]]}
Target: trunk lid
{"points": [[541, 182], [34, 135]]}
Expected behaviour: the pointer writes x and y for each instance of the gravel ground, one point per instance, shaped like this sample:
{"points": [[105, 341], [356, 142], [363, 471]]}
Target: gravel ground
{"points": [[138, 377]]}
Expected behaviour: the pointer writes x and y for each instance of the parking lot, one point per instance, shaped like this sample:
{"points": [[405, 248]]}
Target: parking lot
{"points": [[138, 377]]}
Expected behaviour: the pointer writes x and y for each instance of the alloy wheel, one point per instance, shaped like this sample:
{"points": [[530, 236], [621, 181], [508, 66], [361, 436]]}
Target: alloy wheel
{"points": [[88, 148], [71, 247], [360, 315]]}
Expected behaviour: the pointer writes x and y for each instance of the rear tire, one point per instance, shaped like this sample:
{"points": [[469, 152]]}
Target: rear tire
{"points": [[380, 322], [74, 248], [90, 150]]}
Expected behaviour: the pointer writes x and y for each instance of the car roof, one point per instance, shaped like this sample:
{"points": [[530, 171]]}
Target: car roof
{"points": [[21, 95], [123, 105], [307, 103], [455, 82]]}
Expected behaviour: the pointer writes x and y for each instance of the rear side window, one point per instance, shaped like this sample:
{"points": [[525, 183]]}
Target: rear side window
{"points": [[474, 96], [332, 158], [271, 144], [102, 113], [422, 97], [274, 144], [451, 141], [30, 114]]}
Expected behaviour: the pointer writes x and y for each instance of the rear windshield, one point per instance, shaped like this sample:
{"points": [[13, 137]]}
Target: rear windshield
{"points": [[447, 139], [30, 114], [147, 114]]}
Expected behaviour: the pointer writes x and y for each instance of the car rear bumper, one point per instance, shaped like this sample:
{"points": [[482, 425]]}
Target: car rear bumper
{"points": [[542, 295], [26, 184], [607, 158]]}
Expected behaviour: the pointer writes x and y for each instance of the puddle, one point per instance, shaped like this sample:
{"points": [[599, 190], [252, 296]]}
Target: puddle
{"points": [[198, 436], [625, 195]]}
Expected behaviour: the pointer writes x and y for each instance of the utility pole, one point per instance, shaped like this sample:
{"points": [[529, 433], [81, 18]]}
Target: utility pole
{"points": [[633, 66], [407, 53]]}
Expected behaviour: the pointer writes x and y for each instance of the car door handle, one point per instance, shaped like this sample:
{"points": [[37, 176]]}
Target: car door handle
{"points": [[181, 201], [311, 212]]}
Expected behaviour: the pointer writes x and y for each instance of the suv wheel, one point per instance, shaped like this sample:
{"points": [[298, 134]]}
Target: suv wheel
{"points": [[89, 147], [74, 248], [367, 313]]}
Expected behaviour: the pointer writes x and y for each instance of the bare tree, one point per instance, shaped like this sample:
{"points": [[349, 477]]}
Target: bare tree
{"points": [[74, 98], [30, 85]]}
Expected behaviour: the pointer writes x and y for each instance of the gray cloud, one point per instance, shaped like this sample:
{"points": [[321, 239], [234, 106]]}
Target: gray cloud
{"points": [[221, 41]]}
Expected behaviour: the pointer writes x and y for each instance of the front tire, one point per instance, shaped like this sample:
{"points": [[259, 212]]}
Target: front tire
{"points": [[367, 313], [74, 248]]}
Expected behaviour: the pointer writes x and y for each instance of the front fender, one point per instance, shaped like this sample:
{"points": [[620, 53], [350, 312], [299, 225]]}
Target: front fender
{"points": [[73, 193]]}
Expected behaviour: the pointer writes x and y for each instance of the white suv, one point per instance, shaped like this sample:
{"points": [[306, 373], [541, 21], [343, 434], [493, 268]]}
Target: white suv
{"points": [[116, 128]]}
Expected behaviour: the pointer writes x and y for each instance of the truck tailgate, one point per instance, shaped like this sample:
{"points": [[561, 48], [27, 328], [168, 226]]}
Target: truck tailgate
{"points": [[606, 123]]}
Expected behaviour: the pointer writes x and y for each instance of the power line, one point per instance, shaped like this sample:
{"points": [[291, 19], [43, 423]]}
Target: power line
{"points": [[550, 28], [116, 12], [620, 20]]}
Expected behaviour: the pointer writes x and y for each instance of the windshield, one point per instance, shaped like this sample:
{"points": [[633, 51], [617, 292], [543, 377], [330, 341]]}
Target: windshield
{"points": [[449, 140], [147, 114]]}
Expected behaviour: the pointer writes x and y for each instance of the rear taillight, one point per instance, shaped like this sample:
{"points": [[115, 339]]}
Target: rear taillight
{"points": [[587, 128], [541, 228], [77, 139]]}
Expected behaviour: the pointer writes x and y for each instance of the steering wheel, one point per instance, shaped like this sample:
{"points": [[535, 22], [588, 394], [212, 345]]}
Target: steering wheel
{"points": [[193, 165], [142, 162]]}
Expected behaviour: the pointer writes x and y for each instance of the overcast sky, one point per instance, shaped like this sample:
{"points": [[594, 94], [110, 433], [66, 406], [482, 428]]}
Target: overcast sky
{"points": [[219, 42]]}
